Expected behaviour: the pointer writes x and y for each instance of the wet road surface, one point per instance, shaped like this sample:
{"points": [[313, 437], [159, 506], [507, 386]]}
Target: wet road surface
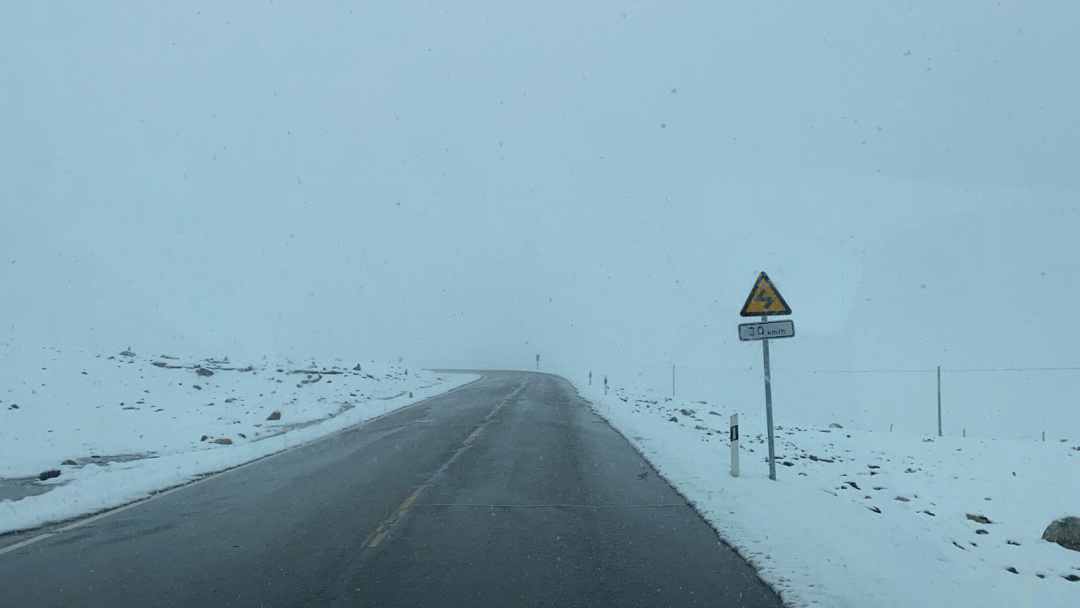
{"points": [[505, 492]]}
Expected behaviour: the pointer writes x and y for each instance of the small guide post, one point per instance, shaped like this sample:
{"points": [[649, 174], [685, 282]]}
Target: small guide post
{"points": [[734, 445]]}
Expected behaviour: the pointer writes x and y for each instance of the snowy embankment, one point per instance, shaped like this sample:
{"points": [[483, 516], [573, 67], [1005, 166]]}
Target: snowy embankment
{"points": [[83, 433], [865, 519]]}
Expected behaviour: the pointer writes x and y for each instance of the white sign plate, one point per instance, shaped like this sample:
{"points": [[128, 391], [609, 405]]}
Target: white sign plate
{"points": [[767, 330]]}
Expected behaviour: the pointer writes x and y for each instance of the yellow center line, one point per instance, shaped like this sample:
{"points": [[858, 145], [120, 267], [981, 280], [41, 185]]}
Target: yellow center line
{"points": [[384, 528], [469, 439]]}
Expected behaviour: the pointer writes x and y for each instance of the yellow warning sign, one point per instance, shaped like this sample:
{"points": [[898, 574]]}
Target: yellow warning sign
{"points": [[764, 299]]}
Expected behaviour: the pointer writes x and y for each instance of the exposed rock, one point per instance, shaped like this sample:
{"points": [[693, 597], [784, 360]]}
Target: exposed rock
{"points": [[127, 353], [203, 438], [673, 419], [202, 371], [159, 364], [357, 368], [274, 416], [979, 519], [1011, 569], [982, 531], [69, 463], [51, 473], [1065, 532], [1072, 578], [686, 412], [410, 394], [13, 406], [903, 499], [835, 425], [714, 413], [223, 441]]}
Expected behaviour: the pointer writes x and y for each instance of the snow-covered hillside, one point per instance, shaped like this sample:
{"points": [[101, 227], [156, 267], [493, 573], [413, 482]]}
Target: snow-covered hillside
{"points": [[861, 518], [100, 430]]}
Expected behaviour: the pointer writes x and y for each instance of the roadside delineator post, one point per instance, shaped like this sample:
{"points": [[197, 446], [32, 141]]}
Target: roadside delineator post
{"points": [[734, 445]]}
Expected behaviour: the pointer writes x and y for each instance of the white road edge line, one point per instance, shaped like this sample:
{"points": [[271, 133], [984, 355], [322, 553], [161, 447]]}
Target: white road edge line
{"points": [[207, 477]]}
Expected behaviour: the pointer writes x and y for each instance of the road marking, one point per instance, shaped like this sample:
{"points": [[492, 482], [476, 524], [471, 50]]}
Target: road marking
{"points": [[472, 435], [387, 525], [384, 527], [26, 542], [208, 476]]}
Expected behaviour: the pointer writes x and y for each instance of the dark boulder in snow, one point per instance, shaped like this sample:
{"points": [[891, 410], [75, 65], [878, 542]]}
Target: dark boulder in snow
{"points": [[981, 519], [714, 413], [204, 438], [13, 406], [51, 473], [835, 425], [274, 416], [69, 463], [223, 441], [127, 353], [673, 419], [1065, 532], [202, 371]]}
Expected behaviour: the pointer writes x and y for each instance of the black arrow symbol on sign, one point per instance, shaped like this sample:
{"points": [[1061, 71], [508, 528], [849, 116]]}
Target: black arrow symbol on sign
{"points": [[768, 300]]}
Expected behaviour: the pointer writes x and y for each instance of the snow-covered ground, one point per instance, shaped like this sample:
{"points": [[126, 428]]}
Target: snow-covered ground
{"points": [[117, 427], [868, 518]]}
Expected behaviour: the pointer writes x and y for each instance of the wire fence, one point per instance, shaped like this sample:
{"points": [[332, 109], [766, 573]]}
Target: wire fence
{"points": [[1022, 403]]}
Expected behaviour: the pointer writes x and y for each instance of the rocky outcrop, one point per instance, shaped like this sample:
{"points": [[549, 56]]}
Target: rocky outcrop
{"points": [[1065, 532]]}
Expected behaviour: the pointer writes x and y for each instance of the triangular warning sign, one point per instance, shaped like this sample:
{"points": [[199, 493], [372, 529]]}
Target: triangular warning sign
{"points": [[764, 299]]}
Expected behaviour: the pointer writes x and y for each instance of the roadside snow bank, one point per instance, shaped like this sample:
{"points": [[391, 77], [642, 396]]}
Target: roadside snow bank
{"points": [[127, 425], [867, 519]]}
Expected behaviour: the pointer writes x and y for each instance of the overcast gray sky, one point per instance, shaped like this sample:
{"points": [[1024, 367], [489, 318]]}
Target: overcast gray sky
{"points": [[473, 183]]}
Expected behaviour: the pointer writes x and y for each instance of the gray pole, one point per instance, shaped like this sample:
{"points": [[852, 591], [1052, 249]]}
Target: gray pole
{"points": [[939, 401], [768, 404]]}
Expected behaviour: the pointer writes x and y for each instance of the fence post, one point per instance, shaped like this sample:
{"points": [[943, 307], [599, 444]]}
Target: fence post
{"points": [[939, 401]]}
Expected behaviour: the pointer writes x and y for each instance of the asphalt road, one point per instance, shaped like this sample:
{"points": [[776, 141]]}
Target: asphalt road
{"points": [[506, 492]]}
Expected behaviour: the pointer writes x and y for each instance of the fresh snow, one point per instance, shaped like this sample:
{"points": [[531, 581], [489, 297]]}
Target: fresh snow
{"points": [[815, 534], [134, 425]]}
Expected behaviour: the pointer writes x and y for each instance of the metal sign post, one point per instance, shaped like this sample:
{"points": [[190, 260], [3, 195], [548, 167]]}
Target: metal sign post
{"points": [[768, 404], [538, 362], [734, 445]]}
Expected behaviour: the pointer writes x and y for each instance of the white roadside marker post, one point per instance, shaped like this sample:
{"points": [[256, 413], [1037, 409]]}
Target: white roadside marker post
{"points": [[734, 445]]}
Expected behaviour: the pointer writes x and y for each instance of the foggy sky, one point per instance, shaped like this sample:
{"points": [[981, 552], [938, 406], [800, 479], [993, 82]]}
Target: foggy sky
{"points": [[472, 184]]}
